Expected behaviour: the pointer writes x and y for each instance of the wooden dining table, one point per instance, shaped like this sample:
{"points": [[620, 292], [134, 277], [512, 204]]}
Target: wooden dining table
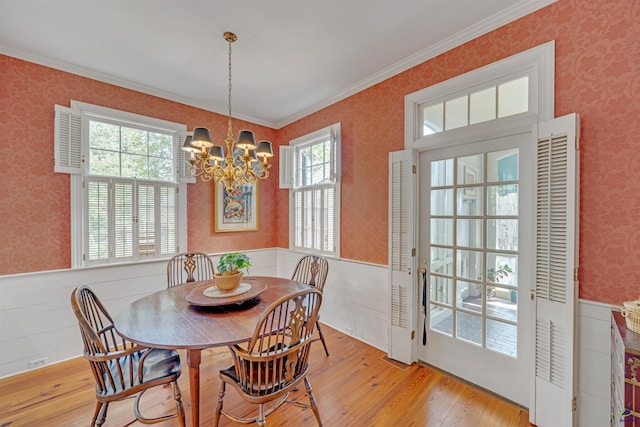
{"points": [[165, 319]]}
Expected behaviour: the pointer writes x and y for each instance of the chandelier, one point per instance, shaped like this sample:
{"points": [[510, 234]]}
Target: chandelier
{"points": [[240, 165]]}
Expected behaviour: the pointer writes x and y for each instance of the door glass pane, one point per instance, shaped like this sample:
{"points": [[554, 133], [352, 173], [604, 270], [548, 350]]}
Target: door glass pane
{"points": [[469, 201], [441, 290], [502, 337], [442, 202], [441, 319], [501, 303], [469, 327], [469, 233], [502, 234], [502, 269], [441, 260], [456, 113], [513, 97], [433, 118], [469, 264], [502, 166], [442, 173], [470, 170], [441, 231], [482, 106], [502, 199], [469, 296]]}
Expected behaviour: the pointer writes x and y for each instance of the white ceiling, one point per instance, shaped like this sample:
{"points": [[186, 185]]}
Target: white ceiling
{"points": [[292, 57]]}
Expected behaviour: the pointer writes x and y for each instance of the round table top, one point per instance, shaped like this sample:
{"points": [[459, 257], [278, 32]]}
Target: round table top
{"points": [[165, 319]]}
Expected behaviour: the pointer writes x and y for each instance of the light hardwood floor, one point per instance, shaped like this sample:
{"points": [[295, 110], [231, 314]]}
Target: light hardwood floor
{"points": [[355, 386]]}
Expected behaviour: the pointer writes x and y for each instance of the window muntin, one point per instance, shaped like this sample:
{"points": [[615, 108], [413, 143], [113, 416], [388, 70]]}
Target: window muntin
{"points": [[503, 99]]}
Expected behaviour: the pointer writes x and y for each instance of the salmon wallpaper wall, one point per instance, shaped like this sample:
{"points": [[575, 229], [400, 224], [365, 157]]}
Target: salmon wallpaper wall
{"points": [[34, 201], [597, 73]]}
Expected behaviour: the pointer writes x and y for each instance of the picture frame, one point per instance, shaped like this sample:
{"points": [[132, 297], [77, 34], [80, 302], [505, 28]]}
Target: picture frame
{"points": [[238, 210], [469, 176]]}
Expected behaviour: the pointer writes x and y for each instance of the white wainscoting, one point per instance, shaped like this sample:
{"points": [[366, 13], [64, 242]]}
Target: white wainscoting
{"points": [[355, 297], [36, 320]]}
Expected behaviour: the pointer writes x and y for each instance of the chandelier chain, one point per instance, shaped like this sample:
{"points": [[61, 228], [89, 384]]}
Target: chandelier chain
{"points": [[229, 130]]}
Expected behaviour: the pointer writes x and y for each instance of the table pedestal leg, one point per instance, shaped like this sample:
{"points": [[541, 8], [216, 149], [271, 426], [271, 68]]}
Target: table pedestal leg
{"points": [[193, 360]]}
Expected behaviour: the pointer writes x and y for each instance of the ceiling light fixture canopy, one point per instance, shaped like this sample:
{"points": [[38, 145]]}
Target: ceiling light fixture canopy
{"points": [[240, 165]]}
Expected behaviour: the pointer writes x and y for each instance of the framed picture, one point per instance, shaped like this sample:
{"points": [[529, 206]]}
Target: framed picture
{"points": [[237, 210], [469, 177]]}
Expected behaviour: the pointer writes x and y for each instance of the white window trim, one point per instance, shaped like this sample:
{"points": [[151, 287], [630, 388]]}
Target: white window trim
{"points": [[290, 170], [77, 192], [537, 63]]}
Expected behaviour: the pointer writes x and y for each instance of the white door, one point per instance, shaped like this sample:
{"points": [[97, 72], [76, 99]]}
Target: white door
{"points": [[476, 249]]}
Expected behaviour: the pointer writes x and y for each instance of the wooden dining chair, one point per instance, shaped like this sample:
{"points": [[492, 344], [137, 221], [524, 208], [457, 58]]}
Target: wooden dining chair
{"points": [[122, 369], [189, 267], [276, 360], [313, 270]]}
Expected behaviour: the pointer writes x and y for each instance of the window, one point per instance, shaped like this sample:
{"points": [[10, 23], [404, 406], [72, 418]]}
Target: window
{"points": [[125, 186], [504, 99], [313, 164]]}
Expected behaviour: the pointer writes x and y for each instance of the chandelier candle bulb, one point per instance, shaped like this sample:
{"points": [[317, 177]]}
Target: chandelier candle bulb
{"points": [[239, 166]]}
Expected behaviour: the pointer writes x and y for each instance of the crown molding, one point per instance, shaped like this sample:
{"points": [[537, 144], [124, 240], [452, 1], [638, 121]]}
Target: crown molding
{"points": [[127, 84], [485, 26]]}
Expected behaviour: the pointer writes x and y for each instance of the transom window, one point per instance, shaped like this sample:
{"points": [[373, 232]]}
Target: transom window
{"points": [[503, 99]]}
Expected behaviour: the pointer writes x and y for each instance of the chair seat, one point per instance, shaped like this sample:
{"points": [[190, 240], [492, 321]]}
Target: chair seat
{"points": [[158, 364]]}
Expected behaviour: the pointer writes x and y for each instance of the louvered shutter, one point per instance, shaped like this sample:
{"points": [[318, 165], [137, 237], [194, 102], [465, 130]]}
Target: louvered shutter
{"points": [[287, 166], [123, 220], [168, 220], [184, 173], [328, 220], [146, 219], [402, 184], [556, 260], [97, 208], [67, 141]]}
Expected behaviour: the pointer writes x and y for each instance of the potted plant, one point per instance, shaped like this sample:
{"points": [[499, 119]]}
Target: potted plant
{"points": [[230, 268]]}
